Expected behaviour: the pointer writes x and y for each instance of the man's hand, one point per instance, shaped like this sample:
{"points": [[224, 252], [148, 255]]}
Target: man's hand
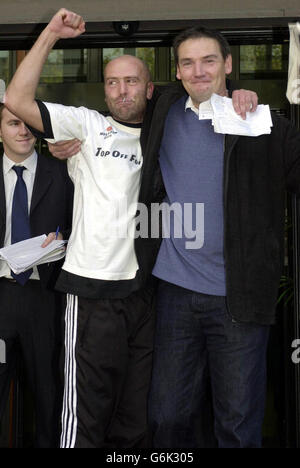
{"points": [[244, 101], [66, 24], [51, 237], [64, 149]]}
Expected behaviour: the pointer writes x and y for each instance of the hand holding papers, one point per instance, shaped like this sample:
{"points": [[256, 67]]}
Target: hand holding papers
{"points": [[26, 254], [226, 121]]}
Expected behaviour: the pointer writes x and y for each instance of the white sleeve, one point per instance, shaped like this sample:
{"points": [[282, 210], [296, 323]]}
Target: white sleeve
{"points": [[67, 122]]}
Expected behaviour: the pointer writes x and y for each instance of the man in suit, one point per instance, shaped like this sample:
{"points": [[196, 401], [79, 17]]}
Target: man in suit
{"points": [[30, 310]]}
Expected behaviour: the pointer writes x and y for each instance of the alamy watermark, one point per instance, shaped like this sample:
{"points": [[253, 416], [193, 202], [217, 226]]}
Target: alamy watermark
{"points": [[2, 352], [296, 353], [176, 220]]}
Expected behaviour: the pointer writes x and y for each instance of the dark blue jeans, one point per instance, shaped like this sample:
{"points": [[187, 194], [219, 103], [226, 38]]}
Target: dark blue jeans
{"points": [[195, 339]]}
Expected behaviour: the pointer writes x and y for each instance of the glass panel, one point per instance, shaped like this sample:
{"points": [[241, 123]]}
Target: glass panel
{"points": [[144, 53], [110, 54], [277, 57], [263, 61], [148, 55], [63, 66], [4, 65], [252, 58]]}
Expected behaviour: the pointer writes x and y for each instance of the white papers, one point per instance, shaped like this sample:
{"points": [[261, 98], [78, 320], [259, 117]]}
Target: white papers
{"points": [[225, 120], [26, 254], [293, 87]]}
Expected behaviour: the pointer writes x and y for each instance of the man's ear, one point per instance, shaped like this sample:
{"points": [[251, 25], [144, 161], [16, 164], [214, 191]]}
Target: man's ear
{"points": [[228, 64], [178, 74], [150, 89]]}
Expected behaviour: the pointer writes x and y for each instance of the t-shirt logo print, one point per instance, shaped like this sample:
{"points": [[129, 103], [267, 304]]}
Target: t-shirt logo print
{"points": [[108, 133]]}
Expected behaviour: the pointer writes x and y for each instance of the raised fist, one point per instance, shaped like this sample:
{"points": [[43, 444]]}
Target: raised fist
{"points": [[66, 24]]}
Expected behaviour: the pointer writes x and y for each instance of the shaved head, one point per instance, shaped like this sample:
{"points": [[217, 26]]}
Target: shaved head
{"points": [[129, 59]]}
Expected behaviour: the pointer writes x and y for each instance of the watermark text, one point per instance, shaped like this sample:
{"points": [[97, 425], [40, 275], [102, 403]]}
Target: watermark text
{"points": [[136, 220], [296, 353]]}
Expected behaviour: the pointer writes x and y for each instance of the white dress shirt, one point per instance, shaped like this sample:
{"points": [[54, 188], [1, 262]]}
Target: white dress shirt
{"points": [[204, 111], [10, 179]]}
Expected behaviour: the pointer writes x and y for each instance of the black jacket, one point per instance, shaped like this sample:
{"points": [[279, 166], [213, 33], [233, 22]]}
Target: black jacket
{"points": [[257, 172], [51, 206]]}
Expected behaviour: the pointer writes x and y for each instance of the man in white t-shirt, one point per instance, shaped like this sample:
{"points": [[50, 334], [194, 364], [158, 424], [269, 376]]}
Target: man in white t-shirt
{"points": [[110, 310], [108, 340]]}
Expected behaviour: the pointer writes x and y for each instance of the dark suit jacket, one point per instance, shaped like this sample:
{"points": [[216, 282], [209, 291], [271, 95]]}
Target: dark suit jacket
{"points": [[51, 206]]}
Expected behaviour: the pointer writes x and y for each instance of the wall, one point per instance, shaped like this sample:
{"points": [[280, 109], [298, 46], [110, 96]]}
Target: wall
{"points": [[40, 11]]}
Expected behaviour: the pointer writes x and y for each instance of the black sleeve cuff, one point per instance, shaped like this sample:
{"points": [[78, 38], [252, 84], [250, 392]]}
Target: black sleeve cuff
{"points": [[48, 132]]}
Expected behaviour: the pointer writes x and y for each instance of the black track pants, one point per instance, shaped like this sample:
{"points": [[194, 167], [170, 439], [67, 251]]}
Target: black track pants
{"points": [[109, 345]]}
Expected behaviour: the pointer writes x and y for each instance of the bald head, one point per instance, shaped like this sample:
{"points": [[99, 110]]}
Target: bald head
{"points": [[128, 61], [127, 85]]}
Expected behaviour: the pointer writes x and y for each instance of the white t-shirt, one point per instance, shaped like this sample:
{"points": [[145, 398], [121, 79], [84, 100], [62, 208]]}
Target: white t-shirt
{"points": [[106, 175]]}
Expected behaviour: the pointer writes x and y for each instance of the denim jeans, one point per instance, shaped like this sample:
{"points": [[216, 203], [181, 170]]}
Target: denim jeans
{"points": [[196, 340]]}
